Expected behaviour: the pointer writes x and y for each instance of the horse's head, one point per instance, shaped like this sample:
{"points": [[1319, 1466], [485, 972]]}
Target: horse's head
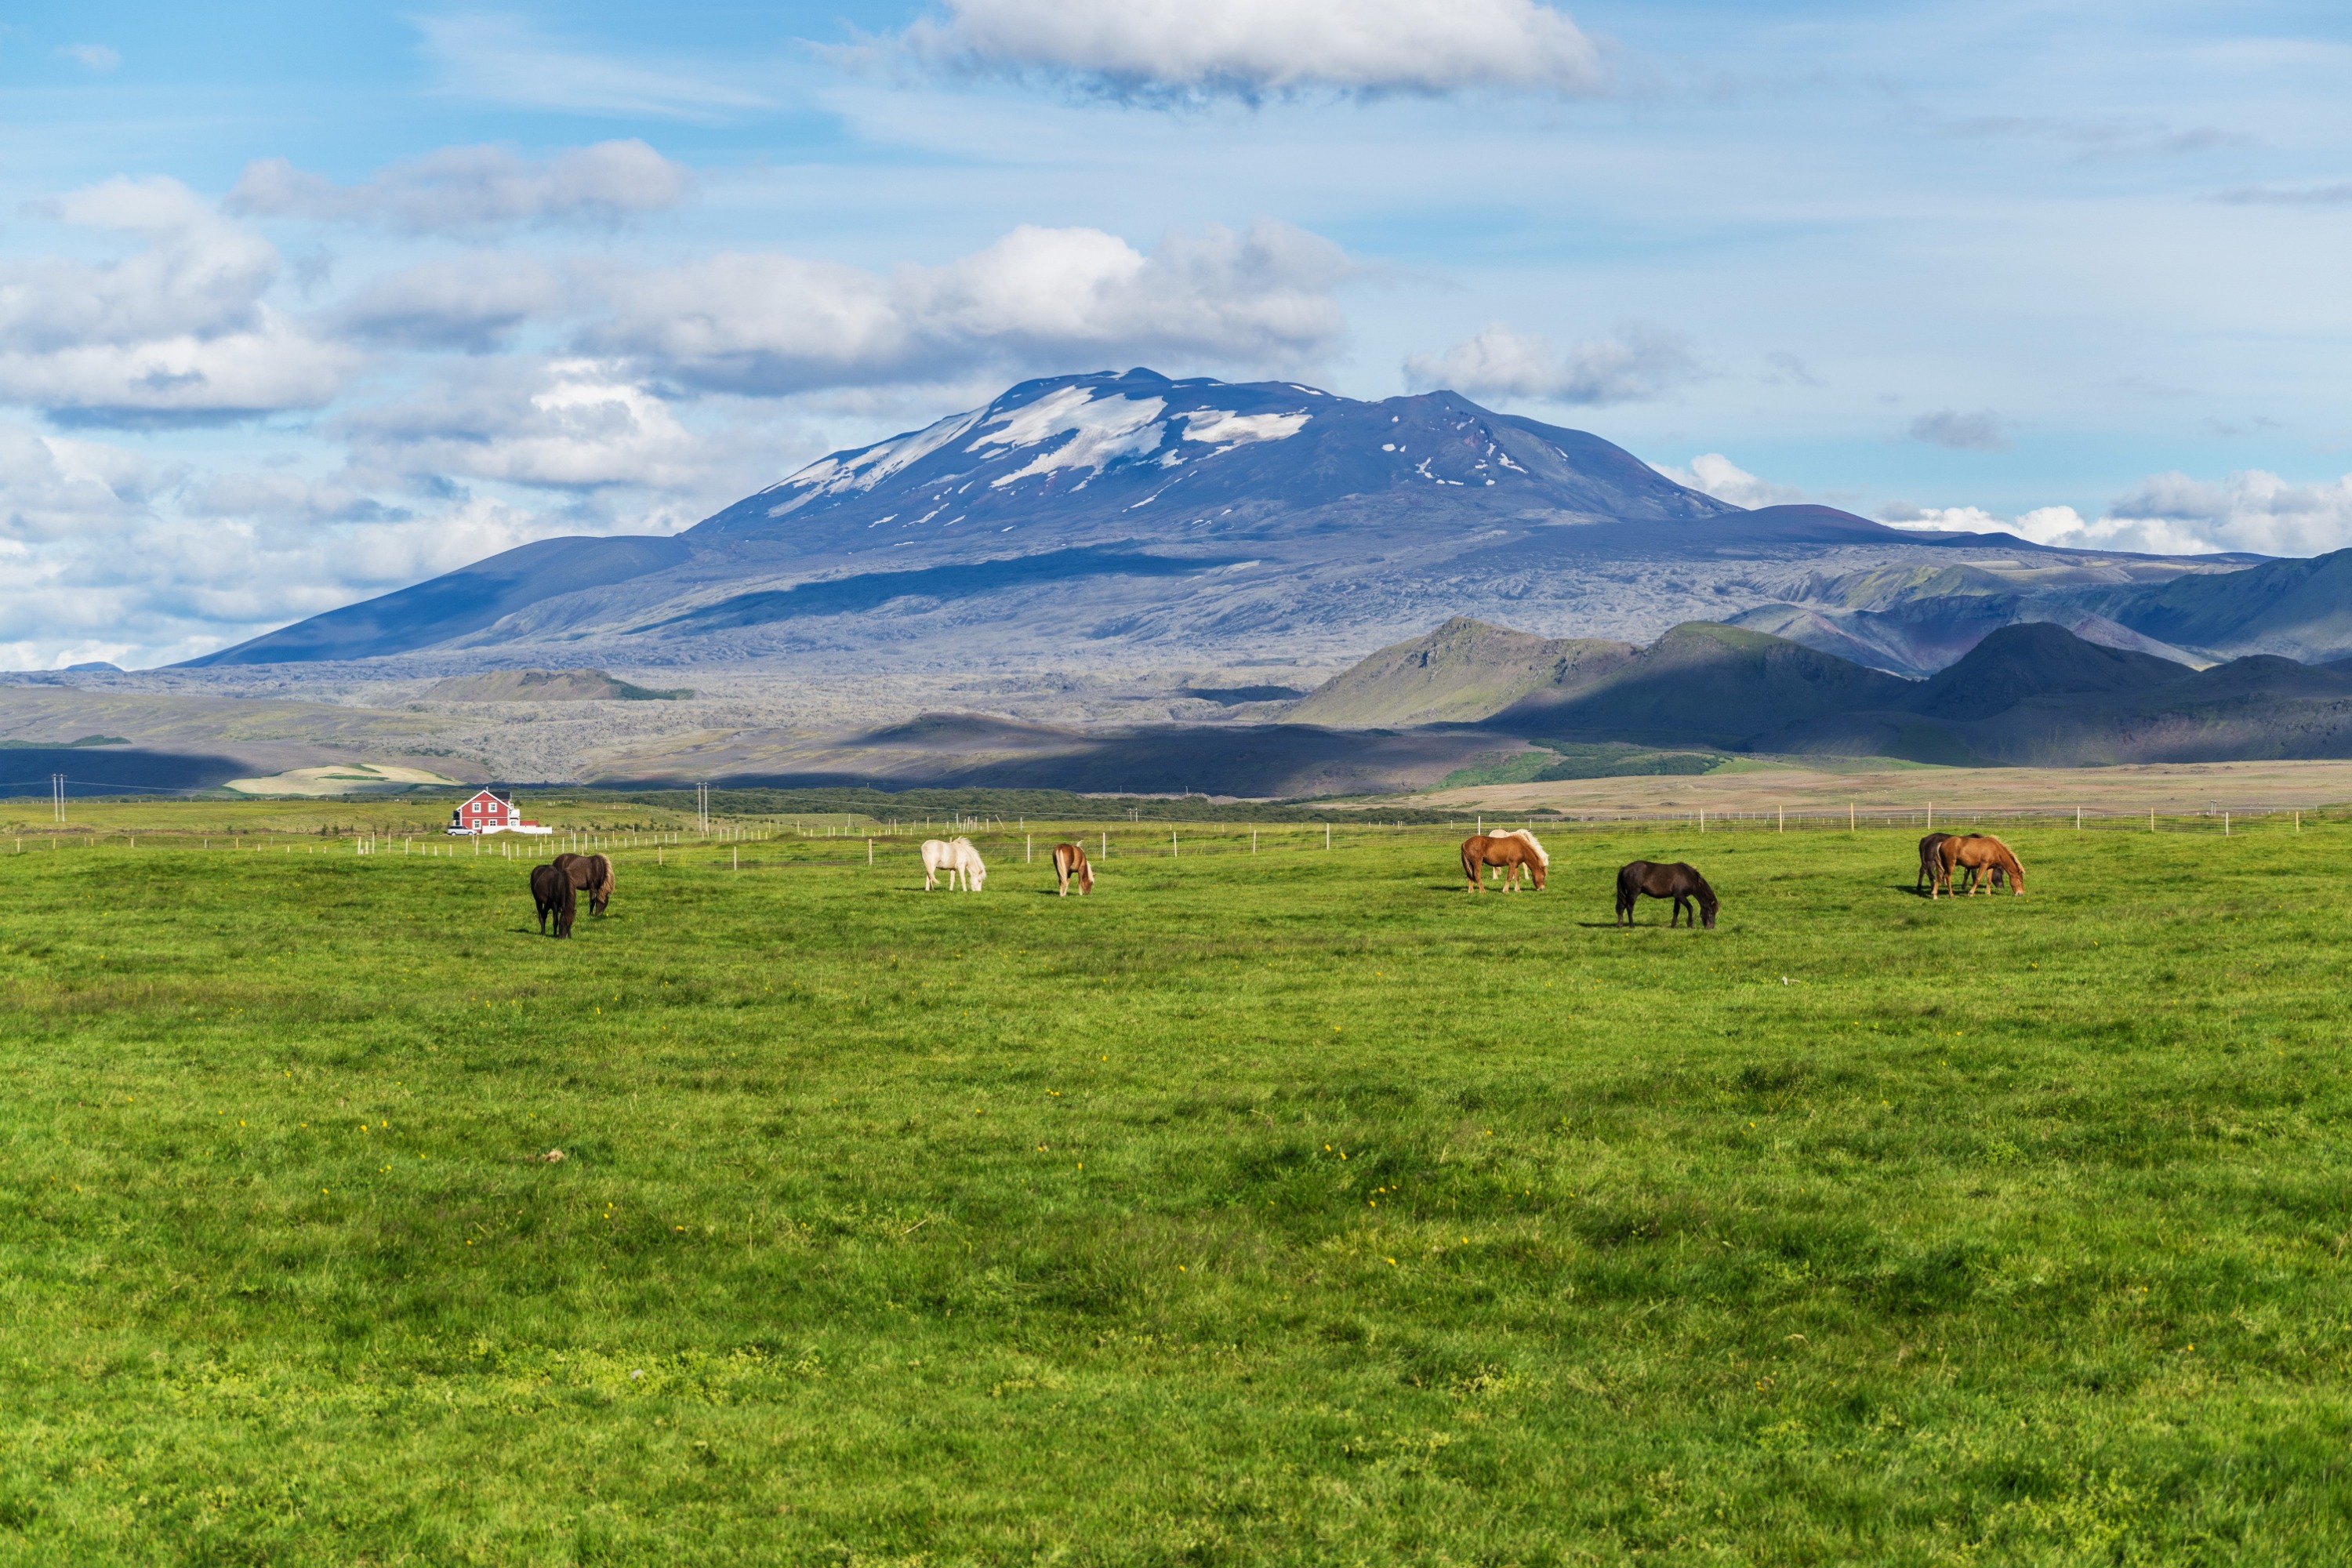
{"points": [[1707, 904]]}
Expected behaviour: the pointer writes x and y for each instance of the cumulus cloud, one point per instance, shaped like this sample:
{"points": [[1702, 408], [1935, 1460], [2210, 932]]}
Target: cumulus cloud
{"points": [[2174, 514], [470, 302], [178, 329], [567, 423], [1639, 361], [1714, 474], [1979, 432], [459, 189], [769, 323], [1252, 48]]}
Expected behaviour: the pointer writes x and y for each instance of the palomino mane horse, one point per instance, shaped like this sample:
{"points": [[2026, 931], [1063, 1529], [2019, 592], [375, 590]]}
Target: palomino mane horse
{"points": [[591, 874], [1982, 853], [551, 890], [1070, 861], [1677, 881], [1542, 859], [959, 859], [1513, 852]]}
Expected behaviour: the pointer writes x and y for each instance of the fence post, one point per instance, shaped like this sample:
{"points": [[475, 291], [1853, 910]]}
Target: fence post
{"points": [[870, 852], [1326, 835], [1784, 819]]}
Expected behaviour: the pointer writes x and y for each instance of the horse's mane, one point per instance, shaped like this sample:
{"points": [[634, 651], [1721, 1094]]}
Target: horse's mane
{"points": [[1533, 843]]}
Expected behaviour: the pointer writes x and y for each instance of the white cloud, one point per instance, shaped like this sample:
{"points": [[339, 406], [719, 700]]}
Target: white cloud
{"points": [[473, 303], [458, 189], [177, 329], [1639, 361], [570, 424], [1251, 48], [2173, 515], [92, 56], [769, 323], [1714, 474], [500, 60]]}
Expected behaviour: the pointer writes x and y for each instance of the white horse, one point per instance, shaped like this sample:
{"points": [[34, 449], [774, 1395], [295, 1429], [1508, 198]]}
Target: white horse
{"points": [[958, 858], [1521, 833]]}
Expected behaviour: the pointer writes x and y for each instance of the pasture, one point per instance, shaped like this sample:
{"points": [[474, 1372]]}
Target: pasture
{"points": [[1287, 1207]]}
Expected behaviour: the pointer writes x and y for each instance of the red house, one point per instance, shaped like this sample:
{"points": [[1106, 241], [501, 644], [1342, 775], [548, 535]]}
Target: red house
{"points": [[491, 811]]}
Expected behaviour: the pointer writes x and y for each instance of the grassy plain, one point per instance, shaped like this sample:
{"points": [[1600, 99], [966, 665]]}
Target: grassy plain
{"points": [[1287, 1207]]}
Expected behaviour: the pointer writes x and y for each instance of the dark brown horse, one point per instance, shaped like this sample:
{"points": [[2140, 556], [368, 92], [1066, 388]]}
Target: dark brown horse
{"points": [[1513, 852], [590, 874], [1677, 881], [1069, 862], [1931, 864], [553, 891]]}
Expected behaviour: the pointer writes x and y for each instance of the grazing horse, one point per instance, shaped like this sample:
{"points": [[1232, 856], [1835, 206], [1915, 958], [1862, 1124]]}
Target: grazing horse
{"points": [[1508, 850], [1931, 864], [1677, 881], [1070, 860], [551, 889], [958, 858], [1978, 853], [591, 874], [1541, 859]]}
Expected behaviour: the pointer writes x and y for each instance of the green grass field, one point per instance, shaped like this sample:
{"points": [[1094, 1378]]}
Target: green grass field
{"points": [[1295, 1208]]}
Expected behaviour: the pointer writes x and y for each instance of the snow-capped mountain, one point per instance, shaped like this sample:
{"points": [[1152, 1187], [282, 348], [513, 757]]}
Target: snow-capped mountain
{"points": [[1119, 518]]}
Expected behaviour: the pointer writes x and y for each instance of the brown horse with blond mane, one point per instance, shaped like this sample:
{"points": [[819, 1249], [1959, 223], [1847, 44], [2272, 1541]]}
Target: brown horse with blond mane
{"points": [[590, 874], [1983, 856], [1070, 861], [1515, 853]]}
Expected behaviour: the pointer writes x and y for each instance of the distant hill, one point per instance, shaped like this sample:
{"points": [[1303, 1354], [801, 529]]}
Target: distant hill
{"points": [[1464, 671], [2298, 609], [2036, 660], [1707, 683], [545, 686]]}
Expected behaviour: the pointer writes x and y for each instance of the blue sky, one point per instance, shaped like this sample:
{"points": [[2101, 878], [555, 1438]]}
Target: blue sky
{"points": [[300, 303]]}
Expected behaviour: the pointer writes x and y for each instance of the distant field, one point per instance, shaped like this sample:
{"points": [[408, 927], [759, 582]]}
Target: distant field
{"points": [[1287, 1207]]}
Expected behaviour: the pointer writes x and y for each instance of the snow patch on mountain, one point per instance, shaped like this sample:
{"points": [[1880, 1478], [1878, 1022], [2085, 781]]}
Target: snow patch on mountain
{"points": [[862, 470], [1221, 427], [1101, 430]]}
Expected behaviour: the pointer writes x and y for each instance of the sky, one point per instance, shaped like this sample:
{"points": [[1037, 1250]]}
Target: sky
{"points": [[299, 304]]}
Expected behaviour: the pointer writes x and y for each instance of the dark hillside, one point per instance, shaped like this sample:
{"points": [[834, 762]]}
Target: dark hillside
{"points": [[2036, 659]]}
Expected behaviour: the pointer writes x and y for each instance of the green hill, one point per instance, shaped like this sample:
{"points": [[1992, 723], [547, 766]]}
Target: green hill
{"points": [[1708, 683], [1464, 671], [2299, 609]]}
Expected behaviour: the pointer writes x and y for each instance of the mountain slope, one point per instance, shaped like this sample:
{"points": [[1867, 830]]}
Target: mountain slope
{"points": [[1145, 520], [2299, 609], [2035, 660], [1464, 671], [1708, 683]]}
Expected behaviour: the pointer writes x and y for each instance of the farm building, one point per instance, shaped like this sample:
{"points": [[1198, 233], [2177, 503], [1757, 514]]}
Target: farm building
{"points": [[491, 811]]}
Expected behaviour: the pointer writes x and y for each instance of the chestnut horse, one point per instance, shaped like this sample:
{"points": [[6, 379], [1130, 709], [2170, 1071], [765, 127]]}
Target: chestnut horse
{"points": [[551, 889], [1983, 855], [1511, 851], [1677, 881], [591, 874], [1533, 843], [1070, 861]]}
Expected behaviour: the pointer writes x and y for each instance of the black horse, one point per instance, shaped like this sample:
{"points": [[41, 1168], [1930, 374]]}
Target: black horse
{"points": [[552, 888], [1930, 866], [1679, 882]]}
